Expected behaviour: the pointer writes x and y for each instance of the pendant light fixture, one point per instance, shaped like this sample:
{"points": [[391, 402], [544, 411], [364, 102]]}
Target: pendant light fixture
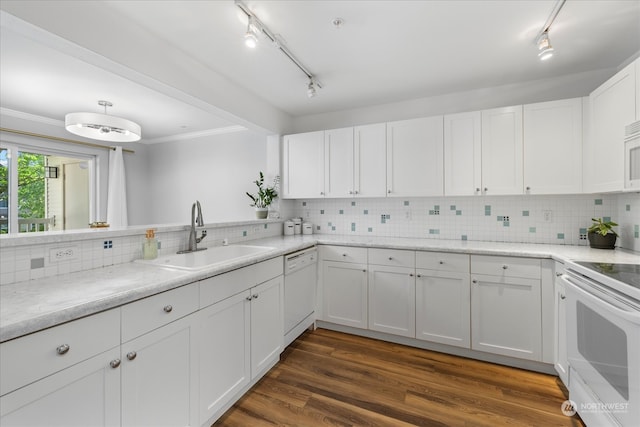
{"points": [[103, 127]]}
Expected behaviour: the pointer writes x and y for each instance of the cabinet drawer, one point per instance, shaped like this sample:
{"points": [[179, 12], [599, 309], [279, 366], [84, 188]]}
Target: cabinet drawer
{"points": [[442, 261], [150, 313], [223, 286], [392, 257], [343, 254], [35, 356], [506, 266]]}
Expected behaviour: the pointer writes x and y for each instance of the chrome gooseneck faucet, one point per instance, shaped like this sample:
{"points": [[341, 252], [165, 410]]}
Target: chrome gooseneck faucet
{"points": [[196, 221]]}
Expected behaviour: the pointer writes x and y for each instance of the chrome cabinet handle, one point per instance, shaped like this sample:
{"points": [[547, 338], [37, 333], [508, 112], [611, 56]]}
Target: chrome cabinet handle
{"points": [[322, 193], [528, 188], [389, 191], [504, 267], [344, 254], [249, 298], [132, 355], [390, 258], [167, 308], [63, 349], [441, 262], [418, 275], [486, 189], [114, 363], [562, 296], [350, 192], [255, 296], [364, 271], [477, 189], [474, 281], [355, 192], [558, 274], [410, 274]]}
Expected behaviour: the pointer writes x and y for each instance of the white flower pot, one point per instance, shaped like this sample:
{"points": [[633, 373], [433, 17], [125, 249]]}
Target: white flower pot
{"points": [[261, 213]]}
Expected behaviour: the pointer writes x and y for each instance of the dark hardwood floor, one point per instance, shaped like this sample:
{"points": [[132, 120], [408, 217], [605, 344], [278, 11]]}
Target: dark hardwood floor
{"points": [[335, 379]]}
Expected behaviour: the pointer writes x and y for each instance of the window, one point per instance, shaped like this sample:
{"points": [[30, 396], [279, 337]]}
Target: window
{"points": [[44, 190]]}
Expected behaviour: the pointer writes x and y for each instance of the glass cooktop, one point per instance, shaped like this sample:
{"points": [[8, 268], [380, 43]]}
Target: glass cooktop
{"points": [[626, 273]]}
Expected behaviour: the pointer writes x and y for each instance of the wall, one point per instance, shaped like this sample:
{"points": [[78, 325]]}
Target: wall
{"points": [[498, 218], [215, 170], [570, 86]]}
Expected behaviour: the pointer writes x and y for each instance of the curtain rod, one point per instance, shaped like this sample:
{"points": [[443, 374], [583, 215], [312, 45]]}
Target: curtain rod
{"points": [[56, 138]]}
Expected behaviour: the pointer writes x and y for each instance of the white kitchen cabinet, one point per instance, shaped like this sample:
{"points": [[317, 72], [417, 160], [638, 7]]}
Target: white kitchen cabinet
{"points": [[224, 353], [85, 394], [369, 165], [506, 306], [561, 362], [612, 107], [443, 298], [553, 147], [502, 151], [303, 165], [159, 377], [463, 154], [392, 291], [344, 293], [338, 174], [415, 158], [267, 325]]}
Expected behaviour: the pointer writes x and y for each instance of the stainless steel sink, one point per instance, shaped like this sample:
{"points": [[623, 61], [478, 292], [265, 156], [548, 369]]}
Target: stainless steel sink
{"points": [[200, 260]]}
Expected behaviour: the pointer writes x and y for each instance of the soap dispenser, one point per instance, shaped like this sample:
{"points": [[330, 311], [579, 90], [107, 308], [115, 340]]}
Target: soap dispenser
{"points": [[150, 246]]}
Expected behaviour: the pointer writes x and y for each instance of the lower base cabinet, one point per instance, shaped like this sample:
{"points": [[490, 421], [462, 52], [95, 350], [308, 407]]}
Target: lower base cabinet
{"points": [[392, 300], [86, 394], [443, 307], [267, 325], [224, 353], [505, 316], [344, 293], [159, 377]]}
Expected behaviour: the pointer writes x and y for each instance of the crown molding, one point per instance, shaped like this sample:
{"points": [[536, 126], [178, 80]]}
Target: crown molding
{"points": [[31, 117], [194, 135]]}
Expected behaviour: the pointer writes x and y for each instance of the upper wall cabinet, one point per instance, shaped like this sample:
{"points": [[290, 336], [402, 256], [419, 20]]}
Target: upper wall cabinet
{"points": [[415, 157], [303, 165], [553, 147], [612, 107], [463, 154], [355, 161], [502, 151], [369, 166]]}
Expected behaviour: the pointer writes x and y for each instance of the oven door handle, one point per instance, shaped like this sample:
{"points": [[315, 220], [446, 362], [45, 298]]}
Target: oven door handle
{"points": [[633, 317]]}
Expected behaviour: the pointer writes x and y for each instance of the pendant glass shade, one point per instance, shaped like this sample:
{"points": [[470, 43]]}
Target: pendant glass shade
{"points": [[102, 127]]}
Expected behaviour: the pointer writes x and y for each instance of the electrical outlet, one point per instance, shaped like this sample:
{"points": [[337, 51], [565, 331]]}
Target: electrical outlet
{"points": [[547, 216], [63, 254]]}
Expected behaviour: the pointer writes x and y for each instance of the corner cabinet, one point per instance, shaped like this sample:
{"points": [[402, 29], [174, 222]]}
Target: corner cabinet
{"points": [[303, 165], [506, 315], [415, 157], [502, 151], [612, 107], [553, 147]]}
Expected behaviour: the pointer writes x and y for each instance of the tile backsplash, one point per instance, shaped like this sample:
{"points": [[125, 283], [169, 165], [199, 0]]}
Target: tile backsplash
{"points": [[21, 262], [526, 219]]}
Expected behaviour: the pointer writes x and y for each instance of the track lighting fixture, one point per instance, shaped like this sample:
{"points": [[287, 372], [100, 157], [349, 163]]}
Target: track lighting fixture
{"points": [[545, 50], [255, 27]]}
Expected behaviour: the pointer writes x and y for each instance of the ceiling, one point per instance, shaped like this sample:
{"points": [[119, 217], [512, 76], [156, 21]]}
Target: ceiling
{"points": [[180, 67]]}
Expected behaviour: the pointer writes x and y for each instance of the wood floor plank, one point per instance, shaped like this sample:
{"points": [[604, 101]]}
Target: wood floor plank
{"points": [[327, 378]]}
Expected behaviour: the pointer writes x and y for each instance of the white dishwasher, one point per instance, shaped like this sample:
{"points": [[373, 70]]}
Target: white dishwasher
{"points": [[300, 277]]}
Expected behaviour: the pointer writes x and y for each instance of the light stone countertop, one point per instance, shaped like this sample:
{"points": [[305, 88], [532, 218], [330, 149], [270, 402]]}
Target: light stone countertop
{"points": [[27, 307]]}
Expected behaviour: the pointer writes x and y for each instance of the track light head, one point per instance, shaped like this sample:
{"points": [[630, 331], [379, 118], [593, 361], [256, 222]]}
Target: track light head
{"points": [[311, 89], [545, 50], [251, 36]]}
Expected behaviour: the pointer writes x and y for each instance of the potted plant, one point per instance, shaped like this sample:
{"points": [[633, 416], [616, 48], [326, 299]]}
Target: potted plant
{"points": [[264, 197], [601, 234]]}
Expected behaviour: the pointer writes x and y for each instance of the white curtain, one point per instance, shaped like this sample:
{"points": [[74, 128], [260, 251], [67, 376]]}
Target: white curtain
{"points": [[117, 192]]}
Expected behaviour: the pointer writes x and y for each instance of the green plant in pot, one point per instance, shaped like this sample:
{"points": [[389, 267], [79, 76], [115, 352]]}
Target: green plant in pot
{"points": [[601, 234], [264, 197]]}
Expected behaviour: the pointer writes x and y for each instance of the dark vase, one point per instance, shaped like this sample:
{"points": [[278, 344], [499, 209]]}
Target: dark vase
{"points": [[598, 241]]}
